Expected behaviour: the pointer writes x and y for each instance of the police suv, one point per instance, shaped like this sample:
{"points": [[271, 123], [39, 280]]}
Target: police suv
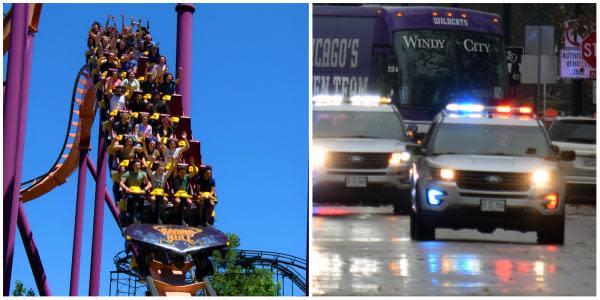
{"points": [[486, 168], [359, 152]]}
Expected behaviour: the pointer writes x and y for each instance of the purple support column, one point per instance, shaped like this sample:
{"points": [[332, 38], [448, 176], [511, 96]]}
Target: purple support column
{"points": [[185, 12], [108, 198], [79, 210], [32, 254], [12, 118], [95, 268]]}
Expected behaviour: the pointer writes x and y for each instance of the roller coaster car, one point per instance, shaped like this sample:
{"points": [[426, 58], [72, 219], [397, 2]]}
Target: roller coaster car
{"points": [[167, 252], [176, 239]]}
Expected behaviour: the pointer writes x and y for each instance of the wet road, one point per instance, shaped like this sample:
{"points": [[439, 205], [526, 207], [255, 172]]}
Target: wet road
{"points": [[368, 251]]}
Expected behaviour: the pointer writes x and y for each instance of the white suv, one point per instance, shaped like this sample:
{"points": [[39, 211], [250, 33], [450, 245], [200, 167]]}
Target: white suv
{"points": [[359, 152], [577, 134], [488, 168]]}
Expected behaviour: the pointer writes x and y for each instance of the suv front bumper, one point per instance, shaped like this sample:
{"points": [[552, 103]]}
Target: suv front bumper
{"points": [[379, 183], [462, 208]]}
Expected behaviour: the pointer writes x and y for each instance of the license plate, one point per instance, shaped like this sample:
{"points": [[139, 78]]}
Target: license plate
{"points": [[493, 205], [356, 181], [589, 162]]}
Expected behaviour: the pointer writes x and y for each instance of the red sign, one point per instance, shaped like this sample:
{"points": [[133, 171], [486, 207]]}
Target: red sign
{"points": [[588, 49]]}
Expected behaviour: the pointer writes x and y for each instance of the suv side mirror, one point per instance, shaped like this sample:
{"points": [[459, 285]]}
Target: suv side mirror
{"points": [[567, 155], [419, 137], [415, 149]]}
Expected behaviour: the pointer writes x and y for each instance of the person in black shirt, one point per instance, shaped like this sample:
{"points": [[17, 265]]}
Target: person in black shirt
{"points": [[168, 85], [124, 125], [165, 129], [158, 106], [110, 63], [204, 187], [149, 85], [153, 54], [138, 103]]}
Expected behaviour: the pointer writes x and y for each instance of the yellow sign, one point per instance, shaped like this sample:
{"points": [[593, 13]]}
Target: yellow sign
{"points": [[173, 235]]}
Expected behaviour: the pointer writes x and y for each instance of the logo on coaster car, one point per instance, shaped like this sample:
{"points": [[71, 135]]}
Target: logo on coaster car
{"points": [[173, 235]]}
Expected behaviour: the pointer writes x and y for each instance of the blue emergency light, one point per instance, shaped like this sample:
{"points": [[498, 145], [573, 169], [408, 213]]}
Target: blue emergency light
{"points": [[433, 196], [464, 107]]}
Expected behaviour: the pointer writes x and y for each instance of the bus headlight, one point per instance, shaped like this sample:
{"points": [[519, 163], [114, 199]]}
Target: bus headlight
{"points": [[540, 177], [398, 158], [319, 156]]}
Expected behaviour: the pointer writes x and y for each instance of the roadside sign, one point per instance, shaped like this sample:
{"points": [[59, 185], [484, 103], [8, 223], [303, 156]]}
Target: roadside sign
{"points": [[573, 66], [588, 49], [539, 40], [572, 40], [514, 55]]}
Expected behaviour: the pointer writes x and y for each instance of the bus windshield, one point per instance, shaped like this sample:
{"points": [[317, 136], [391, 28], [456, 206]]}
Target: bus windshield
{"points": [[440, 66]]}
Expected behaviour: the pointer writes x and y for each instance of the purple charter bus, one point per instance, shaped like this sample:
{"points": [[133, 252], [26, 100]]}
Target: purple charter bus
{"points": [[420, 57]]}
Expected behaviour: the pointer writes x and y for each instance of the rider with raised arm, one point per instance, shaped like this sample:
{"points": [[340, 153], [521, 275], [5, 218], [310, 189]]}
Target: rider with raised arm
{"points": [[158, 179], [174, 153]]}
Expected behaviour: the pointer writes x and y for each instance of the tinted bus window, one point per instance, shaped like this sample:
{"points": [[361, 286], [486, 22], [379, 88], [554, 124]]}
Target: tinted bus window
{"points": [[437, 67]]}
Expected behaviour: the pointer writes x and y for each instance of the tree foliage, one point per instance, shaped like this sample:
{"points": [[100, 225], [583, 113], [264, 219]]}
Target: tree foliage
{"points": [[231, 279], [21, 290], [581, 25]]}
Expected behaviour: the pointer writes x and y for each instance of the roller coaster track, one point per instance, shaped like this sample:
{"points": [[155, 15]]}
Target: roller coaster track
{"points": [[290, 266], [83, 105], [81, 117]]}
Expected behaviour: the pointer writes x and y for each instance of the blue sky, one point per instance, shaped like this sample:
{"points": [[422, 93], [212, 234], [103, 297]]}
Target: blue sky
{"points": [[249, 110]]}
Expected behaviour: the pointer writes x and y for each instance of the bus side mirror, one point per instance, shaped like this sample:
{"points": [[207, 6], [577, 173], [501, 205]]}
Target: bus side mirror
{"points": [[411, 131], [567, 155]]}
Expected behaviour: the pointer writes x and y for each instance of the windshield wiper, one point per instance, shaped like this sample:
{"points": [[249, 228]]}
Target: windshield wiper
{"points": [[444, 153], [361, 137], [499, 154]]}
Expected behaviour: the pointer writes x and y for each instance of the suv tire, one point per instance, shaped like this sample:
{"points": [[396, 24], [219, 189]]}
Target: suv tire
{"points": [[552, 231], [402, 203], [418, 229]]}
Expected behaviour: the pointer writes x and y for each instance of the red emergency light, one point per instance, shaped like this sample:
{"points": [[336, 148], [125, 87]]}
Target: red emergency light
{"points": [[503, 109], [525, 110]]}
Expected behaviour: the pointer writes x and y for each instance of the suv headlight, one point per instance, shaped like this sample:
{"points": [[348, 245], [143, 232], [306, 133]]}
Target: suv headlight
{"points": [[319, 156], [398, 158], [443, 174], [540, 177]]}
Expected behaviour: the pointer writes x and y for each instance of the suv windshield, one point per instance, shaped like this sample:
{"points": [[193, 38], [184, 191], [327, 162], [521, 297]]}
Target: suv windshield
{"points": [[439, 66], [475, 139], [357, 124], [574, 131]]}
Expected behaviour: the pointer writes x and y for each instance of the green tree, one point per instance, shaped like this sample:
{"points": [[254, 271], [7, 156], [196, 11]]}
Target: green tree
{"points": [[21, 290], [582, 24], [231, 279]]}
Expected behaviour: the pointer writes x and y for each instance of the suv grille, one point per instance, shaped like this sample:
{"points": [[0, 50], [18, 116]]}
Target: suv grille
{"points": [[354, 160], [476, 180]]}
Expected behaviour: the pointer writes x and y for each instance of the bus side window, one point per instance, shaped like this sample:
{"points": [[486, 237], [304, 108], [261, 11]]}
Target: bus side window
{"points": [[385, 71]]}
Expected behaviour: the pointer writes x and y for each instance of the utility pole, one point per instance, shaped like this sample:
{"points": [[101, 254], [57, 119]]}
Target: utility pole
{"points": [[577, 84], [506, 23]]}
